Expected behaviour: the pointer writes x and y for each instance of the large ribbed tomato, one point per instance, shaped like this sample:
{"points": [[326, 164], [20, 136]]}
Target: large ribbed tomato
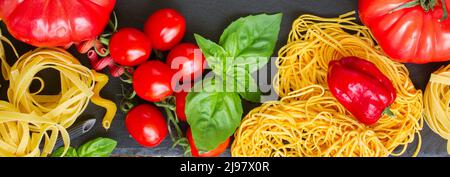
{"points": [[416, 33], [55, 22]]}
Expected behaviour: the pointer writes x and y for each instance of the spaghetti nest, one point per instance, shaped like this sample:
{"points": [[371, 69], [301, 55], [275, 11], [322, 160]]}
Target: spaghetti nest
{"points": [[436, 100], [308, 120]]}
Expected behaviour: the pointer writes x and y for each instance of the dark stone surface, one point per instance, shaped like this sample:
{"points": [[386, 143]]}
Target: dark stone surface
{"points": [[208, 18]]}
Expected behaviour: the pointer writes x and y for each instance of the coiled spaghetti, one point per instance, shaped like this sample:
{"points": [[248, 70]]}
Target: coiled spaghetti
{"points": [[308, 120], [437, 103], [30, 119]]}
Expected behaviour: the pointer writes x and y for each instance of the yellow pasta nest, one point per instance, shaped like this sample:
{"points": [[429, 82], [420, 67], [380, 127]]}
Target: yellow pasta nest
{"points": [[437, 103], [308, 120], [28, 119]]}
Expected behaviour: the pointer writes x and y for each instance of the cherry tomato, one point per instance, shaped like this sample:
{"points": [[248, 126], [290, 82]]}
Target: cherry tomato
{"points": [[165, 28], [188, 58], [152, 81], [130, 47], [213, 153], [146, 125], [180, 103]]}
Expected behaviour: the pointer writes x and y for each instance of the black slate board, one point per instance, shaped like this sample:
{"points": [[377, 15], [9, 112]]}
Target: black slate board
{"points": [[209, 18]]}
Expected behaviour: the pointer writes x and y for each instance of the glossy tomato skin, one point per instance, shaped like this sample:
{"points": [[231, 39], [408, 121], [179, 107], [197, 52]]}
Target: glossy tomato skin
{"points": [[146, 125], [180, 104], [47, 23], [213, 153], [188, 59], [410, 34], [165, 28], [152, 81], [130, 47]]}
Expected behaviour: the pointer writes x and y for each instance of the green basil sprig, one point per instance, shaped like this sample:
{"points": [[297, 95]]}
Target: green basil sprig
{"points": [[214, 111], [99, 147]]}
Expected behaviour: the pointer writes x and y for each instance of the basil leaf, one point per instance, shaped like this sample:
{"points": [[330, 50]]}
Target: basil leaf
{"points": [[248, 88], [212, 116], [252, 36], [214, 112], [241, 81], [251, 64], [99, 147], [214, 54], [251, 96], [71, 152]]}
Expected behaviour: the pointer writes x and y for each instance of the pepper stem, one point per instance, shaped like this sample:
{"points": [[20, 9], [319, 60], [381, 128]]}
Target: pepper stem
{"points": [[388, 112]]}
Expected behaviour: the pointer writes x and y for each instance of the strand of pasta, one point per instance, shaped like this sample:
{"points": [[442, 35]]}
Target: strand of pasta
{"points": [[308, 120], [437, 103], [4, 64]]}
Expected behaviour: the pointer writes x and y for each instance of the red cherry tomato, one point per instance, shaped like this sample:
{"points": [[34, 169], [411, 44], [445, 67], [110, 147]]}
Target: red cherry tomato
{"points": [[180, 103], [213, 153], [152, 81], [146, 125], [130, 47], [189, 60], [165, 28]]}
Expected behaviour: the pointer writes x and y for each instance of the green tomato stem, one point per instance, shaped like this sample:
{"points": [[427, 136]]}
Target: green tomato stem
{"points": [[444, 8], [426, 5], [169, 127], [177, 138], [126, 106], [171, 119], [128, 76], [100, 53], [104, 40], [113, 24], [159, 54]]}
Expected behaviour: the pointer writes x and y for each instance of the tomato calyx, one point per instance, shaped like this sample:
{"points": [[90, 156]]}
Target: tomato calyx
{"points": [[427, 5]]}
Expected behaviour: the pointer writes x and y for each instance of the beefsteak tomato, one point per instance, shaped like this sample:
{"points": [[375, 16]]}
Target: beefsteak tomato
{"points": [[55, 22], [414, 31]]}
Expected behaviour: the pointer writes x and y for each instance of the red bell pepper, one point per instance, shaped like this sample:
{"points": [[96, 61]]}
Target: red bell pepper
{"points": [[361, 88]]}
